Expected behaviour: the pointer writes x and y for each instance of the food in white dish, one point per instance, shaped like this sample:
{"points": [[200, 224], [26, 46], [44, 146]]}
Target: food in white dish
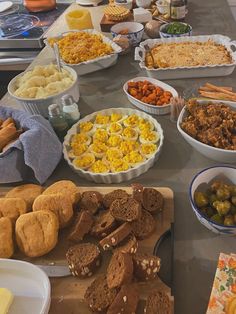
{"points": [[43, 81]]}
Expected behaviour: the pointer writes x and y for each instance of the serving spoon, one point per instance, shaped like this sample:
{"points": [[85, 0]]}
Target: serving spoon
{"points": [[57, 56]]}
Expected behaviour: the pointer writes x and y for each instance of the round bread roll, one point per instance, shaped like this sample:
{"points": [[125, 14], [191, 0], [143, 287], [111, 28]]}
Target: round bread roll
{"points": [[59, 203], [6, 238], [28, 192], [65, 187], [12, 208], [37, 232]]}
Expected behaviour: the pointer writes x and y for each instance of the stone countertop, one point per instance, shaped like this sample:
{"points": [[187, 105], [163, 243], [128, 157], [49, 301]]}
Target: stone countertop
{"points": [[196, 249]]}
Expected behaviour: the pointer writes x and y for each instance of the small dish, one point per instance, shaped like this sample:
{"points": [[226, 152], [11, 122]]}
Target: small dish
{"points": [[155, 110], [143, 3], [29, 285], [206, 176], [131, 30], [128, 4], [163, 7], [163, 30]]}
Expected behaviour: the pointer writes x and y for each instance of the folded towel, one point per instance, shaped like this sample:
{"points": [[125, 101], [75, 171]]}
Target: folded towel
{"points": [[35, 154]]}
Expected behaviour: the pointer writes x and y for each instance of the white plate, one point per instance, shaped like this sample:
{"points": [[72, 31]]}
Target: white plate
{"points": [[5, 5], [123, 175], [88, 2], [29, 285], [155, 110]]}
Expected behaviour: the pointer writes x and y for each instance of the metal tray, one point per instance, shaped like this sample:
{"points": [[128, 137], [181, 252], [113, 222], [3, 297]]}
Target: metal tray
{"points": [[188, 72]]}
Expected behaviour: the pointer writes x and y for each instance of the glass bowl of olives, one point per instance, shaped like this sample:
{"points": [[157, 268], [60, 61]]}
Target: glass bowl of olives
{"points": [[213, 198]]}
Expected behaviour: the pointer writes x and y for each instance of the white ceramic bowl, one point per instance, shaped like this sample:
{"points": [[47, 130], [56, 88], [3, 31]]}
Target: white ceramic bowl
{"points": [[163, 7], [206, 176], [143, 3], [135, 34], [29, 285], [128, 4], [109, 178], [40, 106], [151, 109], [163, 34], [218, 154]]}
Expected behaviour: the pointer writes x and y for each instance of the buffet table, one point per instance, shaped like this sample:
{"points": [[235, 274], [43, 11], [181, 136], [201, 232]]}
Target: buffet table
{"points": [[196, 249]]}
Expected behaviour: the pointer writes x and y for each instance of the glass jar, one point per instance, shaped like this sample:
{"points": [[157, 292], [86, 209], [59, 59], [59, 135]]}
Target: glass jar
{"points": [[39, 5], [177, 10]]}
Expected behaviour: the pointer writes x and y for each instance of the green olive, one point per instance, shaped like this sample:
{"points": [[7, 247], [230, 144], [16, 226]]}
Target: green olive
{"points": [[223, 194], [216, 185], [200, 199], [229, 220], [232, 190], [218, 219], [212, 198], [233, 200], [233, 209], [222, 207]]}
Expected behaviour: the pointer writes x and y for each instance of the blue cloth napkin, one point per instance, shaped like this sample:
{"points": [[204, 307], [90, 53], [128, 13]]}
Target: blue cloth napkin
{"points": [[35, 154]]}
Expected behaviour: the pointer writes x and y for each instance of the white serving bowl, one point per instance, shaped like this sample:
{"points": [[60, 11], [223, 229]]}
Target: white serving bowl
{"points": [[206, 176], [151, 109], [135, 34], [40, 105], [129, 174], [29, 285], [163, 34], [218, 154], [128, 4]]}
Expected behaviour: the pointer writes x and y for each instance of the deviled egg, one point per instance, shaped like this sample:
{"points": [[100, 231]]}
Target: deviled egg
{"points": [[87, 127], [130, 134], [134, 159], [99, 166], [85, 161], [98, 149], [102, 121], [115, 128], [148, 149], [149, 137]]}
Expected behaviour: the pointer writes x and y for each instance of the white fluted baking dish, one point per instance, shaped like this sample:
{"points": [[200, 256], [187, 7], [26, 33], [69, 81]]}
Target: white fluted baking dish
{"points": [[187, 72], [155, 110], [109, 178], [40, 105], [97, 63]]}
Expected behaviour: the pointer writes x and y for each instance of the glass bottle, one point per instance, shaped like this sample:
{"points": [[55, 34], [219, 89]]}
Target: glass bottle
{"points": [[58, 120], [70, 109], [177, 10]]}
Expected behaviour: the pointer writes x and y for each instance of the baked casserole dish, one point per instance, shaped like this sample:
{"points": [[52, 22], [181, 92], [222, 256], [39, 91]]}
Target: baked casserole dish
{"points": [[187, 57], [172, 55]]}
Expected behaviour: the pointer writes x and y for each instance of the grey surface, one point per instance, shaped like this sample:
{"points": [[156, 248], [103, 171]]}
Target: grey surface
{"points": [[196, 249]]}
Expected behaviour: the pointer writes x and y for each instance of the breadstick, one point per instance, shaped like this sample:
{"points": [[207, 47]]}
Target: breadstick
{"points": [[7, 122], [219, 89], [217, 95], [7, 134], [207, 89]]}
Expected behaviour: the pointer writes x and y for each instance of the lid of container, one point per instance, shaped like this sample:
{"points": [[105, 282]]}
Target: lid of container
{"points": [[54, 110], [67, 100]]}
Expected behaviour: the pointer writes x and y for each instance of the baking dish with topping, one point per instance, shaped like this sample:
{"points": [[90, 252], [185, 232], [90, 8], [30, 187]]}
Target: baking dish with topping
{"points": [[164, 73], [96, 64], [113, 176]]}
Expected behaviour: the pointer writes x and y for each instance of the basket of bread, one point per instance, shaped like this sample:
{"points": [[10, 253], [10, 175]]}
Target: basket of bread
{"points": [[24, 152]]}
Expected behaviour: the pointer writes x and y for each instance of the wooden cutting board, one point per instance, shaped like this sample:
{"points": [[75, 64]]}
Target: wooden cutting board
{"points": [[68, 292]]}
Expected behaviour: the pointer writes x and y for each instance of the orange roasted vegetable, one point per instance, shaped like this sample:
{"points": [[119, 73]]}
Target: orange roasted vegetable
{"points": [[149, 93]]}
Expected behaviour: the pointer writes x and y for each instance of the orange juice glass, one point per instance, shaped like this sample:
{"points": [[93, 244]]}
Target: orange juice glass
{"points": [[79, 19]]}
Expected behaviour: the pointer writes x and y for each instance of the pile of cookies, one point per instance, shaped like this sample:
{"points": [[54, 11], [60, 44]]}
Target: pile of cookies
{"points": [[33, 216], [117, 221]]}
